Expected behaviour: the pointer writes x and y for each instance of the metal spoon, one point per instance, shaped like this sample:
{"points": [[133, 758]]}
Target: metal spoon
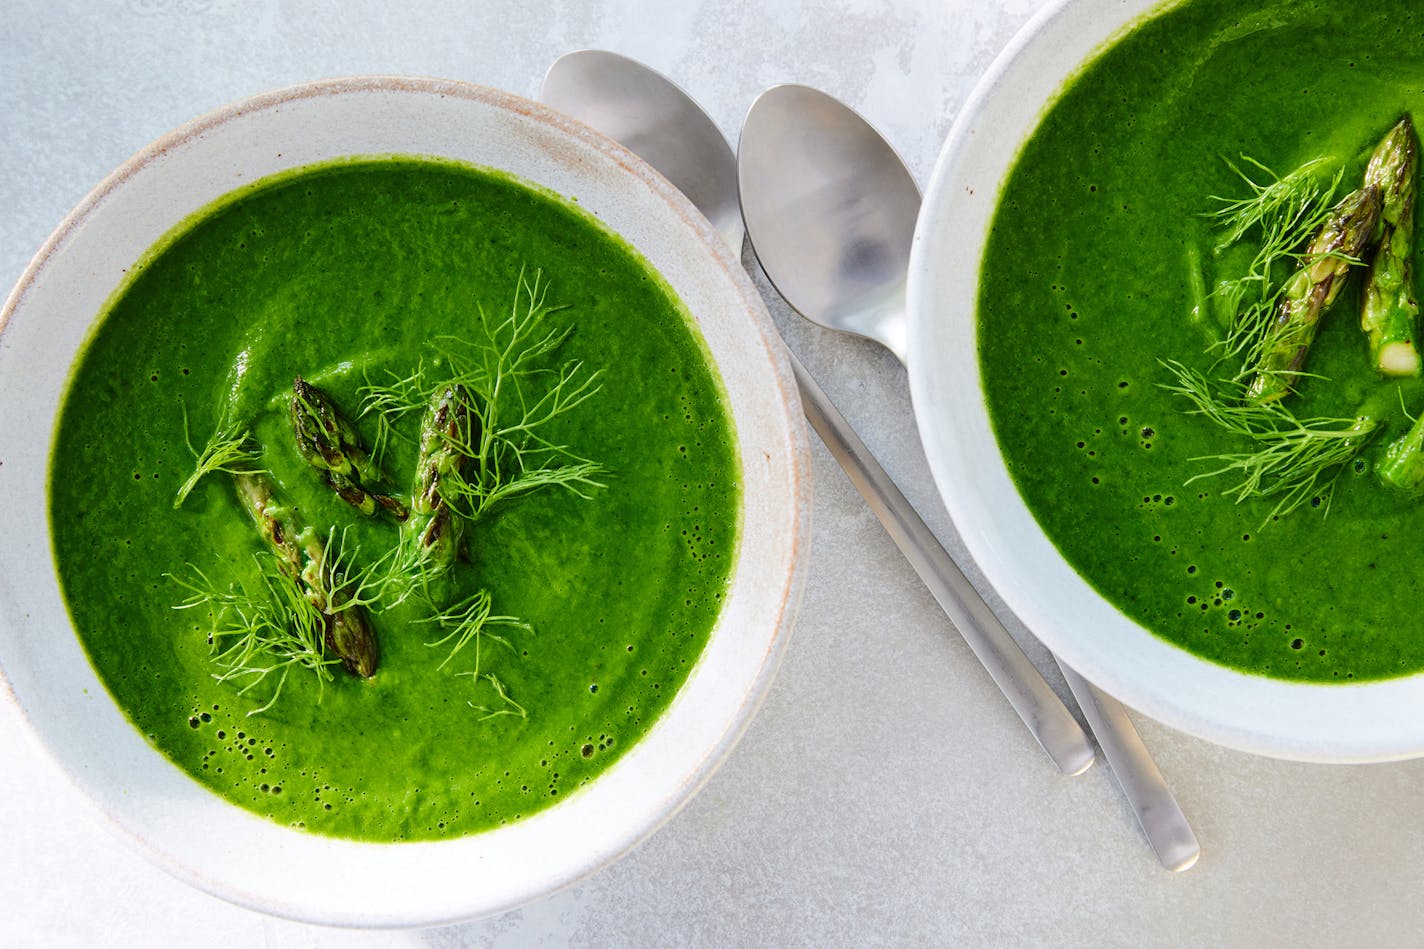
{"points": [[830, 210], [644, 109], [655, 120]]}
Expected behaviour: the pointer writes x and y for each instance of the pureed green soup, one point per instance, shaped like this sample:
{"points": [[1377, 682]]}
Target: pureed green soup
{"points": [[1087, 288], [363, 271]]}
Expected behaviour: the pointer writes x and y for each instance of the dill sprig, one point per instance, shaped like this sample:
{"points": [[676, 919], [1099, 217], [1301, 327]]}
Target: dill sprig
{"points": [[484, 428], [511, 460], [510, 706], [294, 618], [229, 449], [501, 375], [1281, 211], [406, 572], [389, 402], [1287, 224], [1294, 459], [472, 621], [338, 580], [1280, 214], [514, 396], [260, 631]]}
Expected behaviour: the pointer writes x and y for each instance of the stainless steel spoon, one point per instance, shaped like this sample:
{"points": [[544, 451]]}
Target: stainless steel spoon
{"points": [[655, 120], [830, 210], [644, 110]]}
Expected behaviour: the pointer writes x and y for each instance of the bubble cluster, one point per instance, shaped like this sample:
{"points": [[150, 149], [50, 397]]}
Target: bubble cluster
{"points": [[237, 752]]}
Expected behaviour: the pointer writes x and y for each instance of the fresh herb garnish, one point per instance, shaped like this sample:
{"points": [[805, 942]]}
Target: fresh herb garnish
{"points": [[1303, 246], [472, 621], [229, 449], [389, 402], [262, 630], [484, 440], [500, 378], [1293, 459], [510, 706]]}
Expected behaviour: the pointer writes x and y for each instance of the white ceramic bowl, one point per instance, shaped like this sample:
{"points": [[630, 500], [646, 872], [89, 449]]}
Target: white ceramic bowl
{"points": [[177, 822], [1358, 722]]}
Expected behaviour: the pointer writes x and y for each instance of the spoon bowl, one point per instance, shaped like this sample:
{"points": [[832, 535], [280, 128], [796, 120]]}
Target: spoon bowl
{"points": [[833, 211], [635, 106]]}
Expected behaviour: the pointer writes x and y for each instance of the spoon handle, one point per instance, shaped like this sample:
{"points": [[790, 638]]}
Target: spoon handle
{"points": [[1151, 800], [1038, 705]]}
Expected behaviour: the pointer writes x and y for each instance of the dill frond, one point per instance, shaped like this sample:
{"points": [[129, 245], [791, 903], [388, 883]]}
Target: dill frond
{"points": [[1280, 214], [1291, 459], [510, 707], [484, 432], [1296, 460], [259, 632], [389, 402], [471, 621], [1281, 211], [404, 572], [513, 397], [1252, 303], [229, 449], [337, 578]]}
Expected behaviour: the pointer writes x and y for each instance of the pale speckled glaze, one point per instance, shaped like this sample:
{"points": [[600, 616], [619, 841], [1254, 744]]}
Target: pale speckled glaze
{"points": [[196, 835]]}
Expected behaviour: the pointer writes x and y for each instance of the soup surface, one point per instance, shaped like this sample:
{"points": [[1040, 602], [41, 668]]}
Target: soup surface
{"points": [[1087, 288], [370, 270]]}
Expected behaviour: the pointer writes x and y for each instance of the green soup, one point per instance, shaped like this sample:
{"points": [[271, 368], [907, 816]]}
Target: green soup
{"points": [[345, 273], [1087, 286]]}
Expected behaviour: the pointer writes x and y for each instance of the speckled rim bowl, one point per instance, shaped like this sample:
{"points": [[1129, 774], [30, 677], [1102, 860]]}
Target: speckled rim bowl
{"points": [[254, 862], [1358, 722]]}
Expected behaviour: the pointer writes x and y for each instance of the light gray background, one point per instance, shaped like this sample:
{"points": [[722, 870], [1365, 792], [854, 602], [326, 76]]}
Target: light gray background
{"points": [[886, 793]]}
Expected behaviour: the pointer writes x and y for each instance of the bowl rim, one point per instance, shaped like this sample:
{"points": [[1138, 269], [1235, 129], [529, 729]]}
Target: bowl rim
{"points": [[1357, 722], [756, 668]]}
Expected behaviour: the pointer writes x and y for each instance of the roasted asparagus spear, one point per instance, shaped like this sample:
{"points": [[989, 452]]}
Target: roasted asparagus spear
{"points": [[1389, 312], [1311, 289], [330, 443], [303, 556], [446, 435]]}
